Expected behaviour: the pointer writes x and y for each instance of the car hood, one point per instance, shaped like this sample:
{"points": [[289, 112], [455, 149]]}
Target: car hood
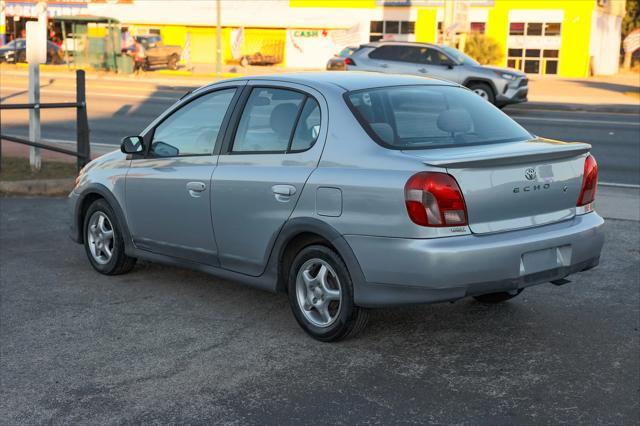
{"points": [[504, 70]]}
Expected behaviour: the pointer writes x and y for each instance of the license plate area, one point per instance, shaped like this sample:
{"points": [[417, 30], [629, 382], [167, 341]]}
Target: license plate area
{"points": [[543, 260]]}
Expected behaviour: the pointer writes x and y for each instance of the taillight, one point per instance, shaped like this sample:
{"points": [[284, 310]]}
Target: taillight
{"points": [[349, 61], [589, 182], [435, 199]]}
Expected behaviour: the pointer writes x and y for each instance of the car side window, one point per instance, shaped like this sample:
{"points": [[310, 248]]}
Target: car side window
{"points": [[308, 128], [430, 56], [389, 53], [268, 120], [193, 129]]}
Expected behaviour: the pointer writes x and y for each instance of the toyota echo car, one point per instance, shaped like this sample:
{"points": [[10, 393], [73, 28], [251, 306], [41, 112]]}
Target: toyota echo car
{"points": [[346, 191]]}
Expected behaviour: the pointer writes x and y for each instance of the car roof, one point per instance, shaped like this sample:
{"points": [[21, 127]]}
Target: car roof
{"points": [[397, 43], [348, 80]]}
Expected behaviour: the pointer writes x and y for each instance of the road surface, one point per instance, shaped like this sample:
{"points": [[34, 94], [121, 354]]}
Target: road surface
{"points": [[165, 345], [125, 107]]}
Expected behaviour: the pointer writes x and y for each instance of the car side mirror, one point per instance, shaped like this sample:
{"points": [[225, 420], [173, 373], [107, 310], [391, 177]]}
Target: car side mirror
{"points": [[132, 145]]}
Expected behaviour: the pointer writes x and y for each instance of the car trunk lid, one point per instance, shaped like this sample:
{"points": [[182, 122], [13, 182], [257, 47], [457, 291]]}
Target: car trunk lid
{"points": [[516, 185]]}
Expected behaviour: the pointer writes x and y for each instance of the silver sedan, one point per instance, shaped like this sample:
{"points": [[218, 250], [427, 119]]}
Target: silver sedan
{"points": [[346, 191]]}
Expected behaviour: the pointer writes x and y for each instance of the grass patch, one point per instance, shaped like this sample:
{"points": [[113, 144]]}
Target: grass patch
{"points": [[17, 168]]}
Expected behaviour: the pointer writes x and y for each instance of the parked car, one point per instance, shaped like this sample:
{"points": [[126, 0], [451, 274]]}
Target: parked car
{"points": [[500, 86], [16, 51], [345, 190], [158, 53], [337, 63]]}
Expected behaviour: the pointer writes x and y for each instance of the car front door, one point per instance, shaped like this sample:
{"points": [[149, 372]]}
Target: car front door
{"points": [[434, 63], [265, 161], [168, 191]]}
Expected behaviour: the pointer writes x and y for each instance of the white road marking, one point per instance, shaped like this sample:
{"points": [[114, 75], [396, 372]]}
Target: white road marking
{"points": [[569, 120], [619, 185]]}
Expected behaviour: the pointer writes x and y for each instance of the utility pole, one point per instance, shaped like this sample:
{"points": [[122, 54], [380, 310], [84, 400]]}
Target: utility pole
{"points": [[38, 31], [218, 40]]}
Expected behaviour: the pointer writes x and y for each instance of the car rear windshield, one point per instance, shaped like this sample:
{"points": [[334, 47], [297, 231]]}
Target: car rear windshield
{"points": [[420, 117]]}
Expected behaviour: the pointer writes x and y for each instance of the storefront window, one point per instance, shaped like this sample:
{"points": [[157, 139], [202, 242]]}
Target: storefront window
{"points": [[516, 28], [407, 27], [478, 27], [532, 66], [534, 28], [525, 51], [378, 30], [552, 29]]}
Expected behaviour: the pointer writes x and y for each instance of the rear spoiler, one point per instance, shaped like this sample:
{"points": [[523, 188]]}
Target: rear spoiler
{"points": [[524, 154]]}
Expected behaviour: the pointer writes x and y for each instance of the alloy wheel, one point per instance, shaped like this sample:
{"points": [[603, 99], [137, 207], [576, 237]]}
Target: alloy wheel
{"points": [[318, 292], [482, 93], [100, 237]]}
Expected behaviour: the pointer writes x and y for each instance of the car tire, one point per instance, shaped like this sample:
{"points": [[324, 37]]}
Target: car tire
{"points": [[172, 63], [493, 298], [484, 91], [321, 295], [103, 240]]}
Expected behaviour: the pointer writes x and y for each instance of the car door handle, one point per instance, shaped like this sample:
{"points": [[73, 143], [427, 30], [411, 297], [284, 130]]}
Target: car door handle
{"points": [[195, 188], [423, 70], [283, 193], [384, 66]]}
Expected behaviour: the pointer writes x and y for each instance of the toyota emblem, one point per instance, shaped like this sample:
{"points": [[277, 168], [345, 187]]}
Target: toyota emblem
{"points": [[530, 173]]}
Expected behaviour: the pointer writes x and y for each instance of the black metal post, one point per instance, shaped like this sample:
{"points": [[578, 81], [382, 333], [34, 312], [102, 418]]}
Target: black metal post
{"points": [[82, 122]]}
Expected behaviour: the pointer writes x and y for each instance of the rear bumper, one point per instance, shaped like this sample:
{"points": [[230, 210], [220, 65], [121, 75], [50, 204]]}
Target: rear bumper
{"points": [[404, 271]]}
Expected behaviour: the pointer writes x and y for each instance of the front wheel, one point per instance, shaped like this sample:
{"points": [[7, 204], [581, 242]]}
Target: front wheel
{"points": [[321, 295], [103, 240], [484, 91]]}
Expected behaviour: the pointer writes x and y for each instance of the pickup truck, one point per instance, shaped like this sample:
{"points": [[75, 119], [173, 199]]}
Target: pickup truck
{"points": [[159, 53]]}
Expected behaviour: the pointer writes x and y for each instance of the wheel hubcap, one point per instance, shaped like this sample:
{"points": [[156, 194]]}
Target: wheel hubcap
{"points": [[483, 94], [100, 237], [318, 292]]}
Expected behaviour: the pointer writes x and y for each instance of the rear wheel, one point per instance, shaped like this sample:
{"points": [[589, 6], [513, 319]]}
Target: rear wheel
{"points": [[484, 91], [321, 295], [502, 296], [103, 240]]}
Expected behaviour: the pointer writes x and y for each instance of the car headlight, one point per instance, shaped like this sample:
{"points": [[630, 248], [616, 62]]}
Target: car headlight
{"points": [[506, 76]]}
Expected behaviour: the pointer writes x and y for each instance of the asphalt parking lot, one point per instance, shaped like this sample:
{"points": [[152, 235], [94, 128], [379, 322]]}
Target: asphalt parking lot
{"points": [[164, 345]]}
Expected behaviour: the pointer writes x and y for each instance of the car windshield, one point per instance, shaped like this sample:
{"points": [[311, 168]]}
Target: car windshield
{"points": [[347, 51], [458, 56], [420, 117]]}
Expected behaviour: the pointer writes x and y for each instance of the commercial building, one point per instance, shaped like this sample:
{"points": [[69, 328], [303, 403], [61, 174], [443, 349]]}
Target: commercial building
{"points": [[571, 38]]}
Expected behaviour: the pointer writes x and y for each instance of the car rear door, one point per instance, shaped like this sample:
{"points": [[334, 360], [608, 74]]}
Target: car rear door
{"points": [[392, 59], [275, 144], [168, 192]]}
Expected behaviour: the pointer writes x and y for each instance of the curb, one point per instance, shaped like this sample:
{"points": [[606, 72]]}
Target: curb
{"points": [[49, 187]]}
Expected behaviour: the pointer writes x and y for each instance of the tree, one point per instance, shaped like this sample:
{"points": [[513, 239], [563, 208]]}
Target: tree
{"points": [[483, 49], [631, 19]]}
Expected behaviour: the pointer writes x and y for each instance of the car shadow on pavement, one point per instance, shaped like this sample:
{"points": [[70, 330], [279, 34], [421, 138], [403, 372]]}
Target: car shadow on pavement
{"points": [[611, 87]]}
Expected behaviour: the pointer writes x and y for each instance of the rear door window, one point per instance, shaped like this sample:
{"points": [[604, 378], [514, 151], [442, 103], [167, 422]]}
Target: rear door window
{"points": [[268, 120], [388, 53]]}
